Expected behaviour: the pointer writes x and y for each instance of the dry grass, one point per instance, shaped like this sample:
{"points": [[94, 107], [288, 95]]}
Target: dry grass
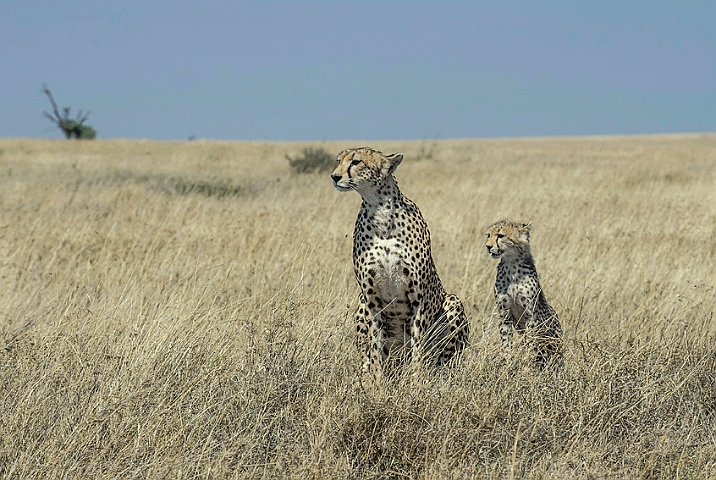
{"points": [[181, 310]]}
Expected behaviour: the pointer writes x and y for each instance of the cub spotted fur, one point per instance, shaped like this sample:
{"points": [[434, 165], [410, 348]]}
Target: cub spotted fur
{"points": [[520, 300]]}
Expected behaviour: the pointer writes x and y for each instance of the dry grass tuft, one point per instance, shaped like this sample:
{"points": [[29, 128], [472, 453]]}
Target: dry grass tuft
{"points": [[184, 310]]}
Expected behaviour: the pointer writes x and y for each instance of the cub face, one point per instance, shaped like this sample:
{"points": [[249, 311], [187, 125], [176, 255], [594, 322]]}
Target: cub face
{"points": [[506, 238], [363, 168]]}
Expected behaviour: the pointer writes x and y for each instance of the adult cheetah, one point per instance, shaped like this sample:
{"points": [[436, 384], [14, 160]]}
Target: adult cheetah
{"points": [[404, 311], [520, 301]]}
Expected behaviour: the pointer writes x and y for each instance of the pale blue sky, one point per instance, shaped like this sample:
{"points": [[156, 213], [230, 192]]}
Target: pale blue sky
{"points": [[333, 70]]}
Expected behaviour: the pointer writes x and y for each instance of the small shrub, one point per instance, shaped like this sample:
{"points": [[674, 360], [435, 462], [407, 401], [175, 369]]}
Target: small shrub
{"points": [[181, 186], [312, 160], [71, 128], [80, 131], [427, 149]]}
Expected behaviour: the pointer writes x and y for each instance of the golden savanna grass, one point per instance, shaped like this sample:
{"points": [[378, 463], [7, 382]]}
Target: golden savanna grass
{"points": [[182, 310]]}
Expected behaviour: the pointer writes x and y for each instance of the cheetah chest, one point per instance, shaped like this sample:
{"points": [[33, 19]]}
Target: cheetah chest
{"points": [[387, 264], [390, 285]]}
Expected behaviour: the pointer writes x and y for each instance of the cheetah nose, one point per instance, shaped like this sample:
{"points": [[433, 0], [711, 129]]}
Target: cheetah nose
{"points": [[488, 248], [336, 177]]}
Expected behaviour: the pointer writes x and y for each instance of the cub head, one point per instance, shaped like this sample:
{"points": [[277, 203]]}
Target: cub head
{"points": [[363, 169], [506, 238]]}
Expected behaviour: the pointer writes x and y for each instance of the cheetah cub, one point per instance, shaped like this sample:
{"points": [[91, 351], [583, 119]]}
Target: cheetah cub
{"points": [[403, 312], [520, 301]]}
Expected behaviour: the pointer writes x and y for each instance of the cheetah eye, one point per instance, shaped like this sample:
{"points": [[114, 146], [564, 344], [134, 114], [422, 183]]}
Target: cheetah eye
{"points": [[355, 161], [500, 235]]}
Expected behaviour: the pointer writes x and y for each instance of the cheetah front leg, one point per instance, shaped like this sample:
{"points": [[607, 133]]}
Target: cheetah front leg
{"points": [[417, 324], [369, 339], [417, 337], [457, 329]]}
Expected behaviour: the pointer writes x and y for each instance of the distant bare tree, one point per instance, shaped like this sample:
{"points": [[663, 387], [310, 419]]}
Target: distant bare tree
{"points": [[70, 127]]}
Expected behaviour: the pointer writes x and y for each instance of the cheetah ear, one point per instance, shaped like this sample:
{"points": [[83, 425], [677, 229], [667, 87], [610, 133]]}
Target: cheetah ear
{"points": [[394, 160]]}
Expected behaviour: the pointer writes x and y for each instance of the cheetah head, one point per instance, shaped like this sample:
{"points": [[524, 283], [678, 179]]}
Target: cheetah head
{"points": [[506, 238], [363, 169]]}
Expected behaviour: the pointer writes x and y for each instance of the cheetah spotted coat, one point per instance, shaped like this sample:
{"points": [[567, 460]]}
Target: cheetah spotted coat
{"points": [[403, 312]]}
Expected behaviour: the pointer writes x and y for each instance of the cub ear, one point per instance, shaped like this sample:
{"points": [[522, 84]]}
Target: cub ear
{"points": [[525, 231], [394, 160]]}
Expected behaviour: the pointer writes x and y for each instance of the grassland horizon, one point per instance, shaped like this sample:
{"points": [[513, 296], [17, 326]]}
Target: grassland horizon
{"points": [[184, 310]]}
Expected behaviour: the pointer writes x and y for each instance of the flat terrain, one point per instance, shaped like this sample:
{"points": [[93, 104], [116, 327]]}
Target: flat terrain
{"points": [[184, 309]]}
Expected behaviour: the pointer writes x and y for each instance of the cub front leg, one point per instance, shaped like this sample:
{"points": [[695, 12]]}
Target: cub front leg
{"points": [[549, 346], [534, 328], [507, 322]]}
